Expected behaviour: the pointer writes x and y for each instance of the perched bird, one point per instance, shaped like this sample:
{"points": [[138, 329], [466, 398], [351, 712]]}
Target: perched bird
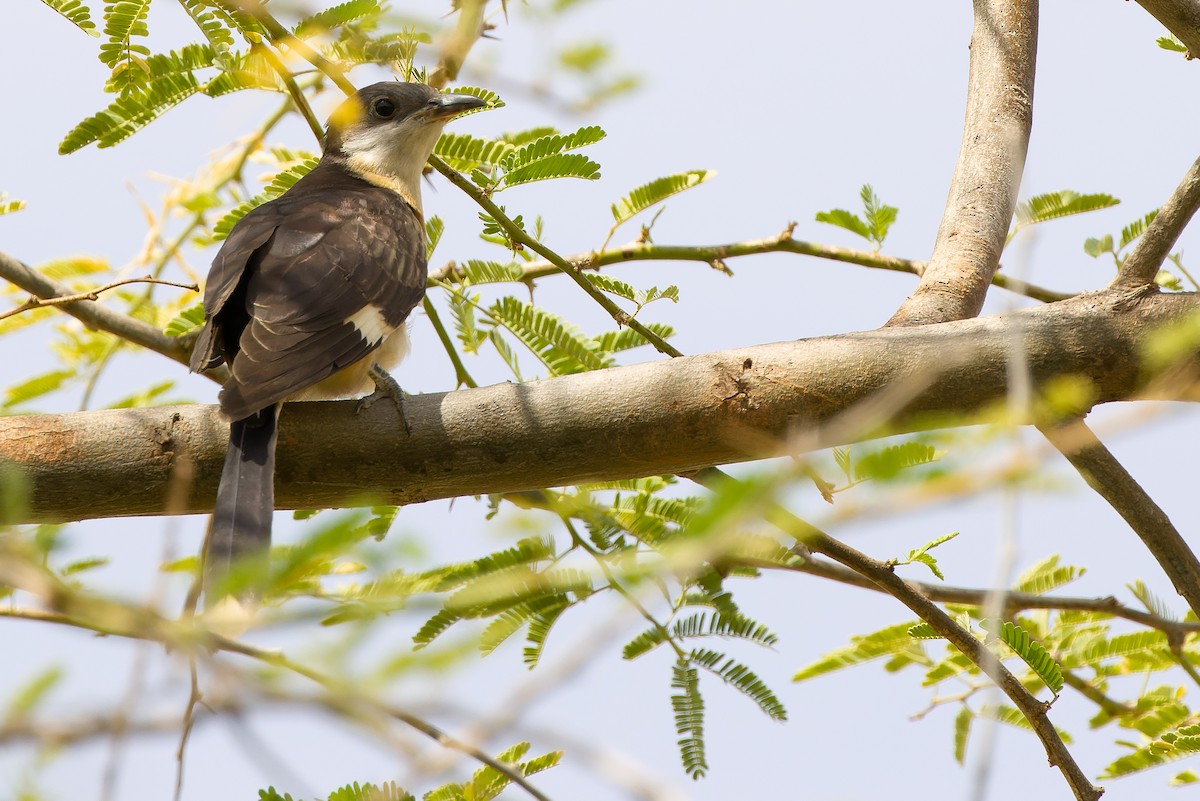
{"points": [[308, 296]]}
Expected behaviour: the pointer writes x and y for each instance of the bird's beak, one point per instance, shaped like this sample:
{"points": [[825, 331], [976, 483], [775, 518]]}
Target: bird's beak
{"points": [[449, 105]]}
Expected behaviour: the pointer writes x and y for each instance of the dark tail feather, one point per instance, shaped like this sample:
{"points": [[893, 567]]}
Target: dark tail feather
{"points": [[241, 521]]}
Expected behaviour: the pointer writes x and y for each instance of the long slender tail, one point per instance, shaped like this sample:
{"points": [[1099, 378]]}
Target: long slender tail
{"points": [[241, 521]]}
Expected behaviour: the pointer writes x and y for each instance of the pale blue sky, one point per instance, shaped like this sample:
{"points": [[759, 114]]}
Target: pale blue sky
{"points": [[795, 105]]}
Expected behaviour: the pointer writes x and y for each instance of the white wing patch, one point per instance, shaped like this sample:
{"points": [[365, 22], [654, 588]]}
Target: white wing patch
{"points": [[370, 323]]}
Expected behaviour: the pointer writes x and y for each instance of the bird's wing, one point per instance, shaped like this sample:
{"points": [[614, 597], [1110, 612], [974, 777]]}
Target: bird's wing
{"points": [[322, 281]]}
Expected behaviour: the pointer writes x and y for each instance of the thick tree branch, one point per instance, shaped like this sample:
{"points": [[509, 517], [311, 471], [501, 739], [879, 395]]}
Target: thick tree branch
{"points": [[1180, 17], [94, 315], [983, 192], [1103, 473], [1155, 245], [715, 256], [649, 419]]}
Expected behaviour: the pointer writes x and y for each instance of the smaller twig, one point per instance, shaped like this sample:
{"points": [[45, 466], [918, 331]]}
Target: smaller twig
{"points": [[1013, 601], [518, 235], [281, 35], [94, 315], [461, 376], [1087, 690], [293, 89], [1155, 245], [883, 575], [35, 302], [710, 254]]}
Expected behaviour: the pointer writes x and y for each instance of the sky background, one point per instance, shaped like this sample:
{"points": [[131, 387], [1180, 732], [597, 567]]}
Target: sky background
{"points": [[795, 105]]}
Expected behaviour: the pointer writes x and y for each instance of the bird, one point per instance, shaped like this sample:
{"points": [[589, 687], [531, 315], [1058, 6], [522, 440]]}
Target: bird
{"points": [[308, 296]]}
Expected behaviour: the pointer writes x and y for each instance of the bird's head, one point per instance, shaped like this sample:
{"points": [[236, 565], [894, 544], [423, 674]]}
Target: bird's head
{"points": [[386, 132]]}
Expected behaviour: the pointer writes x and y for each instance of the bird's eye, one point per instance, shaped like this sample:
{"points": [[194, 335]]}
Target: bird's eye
{"points": [[384, 108]]}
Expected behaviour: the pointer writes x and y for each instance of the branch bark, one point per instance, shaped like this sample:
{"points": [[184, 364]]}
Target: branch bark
{"points": [[1155, 245], [657, 418], [1180, 17], [1111, 481], [983, 192]]}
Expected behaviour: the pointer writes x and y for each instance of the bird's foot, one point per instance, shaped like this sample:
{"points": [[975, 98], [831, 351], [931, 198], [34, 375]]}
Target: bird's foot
{"points": [[385, 387]]}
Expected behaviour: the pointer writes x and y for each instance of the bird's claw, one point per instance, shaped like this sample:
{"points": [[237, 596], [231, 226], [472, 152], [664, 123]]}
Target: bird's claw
{"points": [[385, 387]]}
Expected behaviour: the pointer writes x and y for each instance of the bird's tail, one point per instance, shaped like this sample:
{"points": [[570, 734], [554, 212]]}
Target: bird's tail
{"points": [[241, 521]]}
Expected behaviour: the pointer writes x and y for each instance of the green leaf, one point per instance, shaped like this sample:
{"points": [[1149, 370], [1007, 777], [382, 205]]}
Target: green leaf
{"points": [[77, 13], [613, 286], [885, 642], [845, 219], [434, 228], [644, 642], [1169, 42], [564, 165], [36, 387], [210, 24], [131, 112], [539, 629], [962, 731], [1154, 605], [83, 565], [879, 217], [506, 352], [923, 631], [335, 17], [123, 20], [1135, 229], [1064, 203], [559, 344], [1096, 247], [742, 679], [462, 312], [688, 707], [478, 271], [186, 321], [246, 71], [657, 191], [887, 462], [33, 692], [9, 206], [1046, 576], [144, 398], [465, 153], [1168, 748], [626, 338], [279, 184], [1031, 652]]}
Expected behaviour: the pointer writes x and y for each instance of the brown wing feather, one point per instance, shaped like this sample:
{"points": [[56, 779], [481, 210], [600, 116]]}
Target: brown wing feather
{"points": [[293, 272]]}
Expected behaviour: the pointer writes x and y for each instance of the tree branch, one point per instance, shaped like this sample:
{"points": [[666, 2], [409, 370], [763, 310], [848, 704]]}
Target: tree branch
{"points": [[96, 316], [1103, 473], [884, 577], [983, 192], [649, 419], [467, 30], [1155, 245], [715, 256], [1013, 601], [69, 606], [1180, 17], [91, 294], [518, 235], [1035, 711]]}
